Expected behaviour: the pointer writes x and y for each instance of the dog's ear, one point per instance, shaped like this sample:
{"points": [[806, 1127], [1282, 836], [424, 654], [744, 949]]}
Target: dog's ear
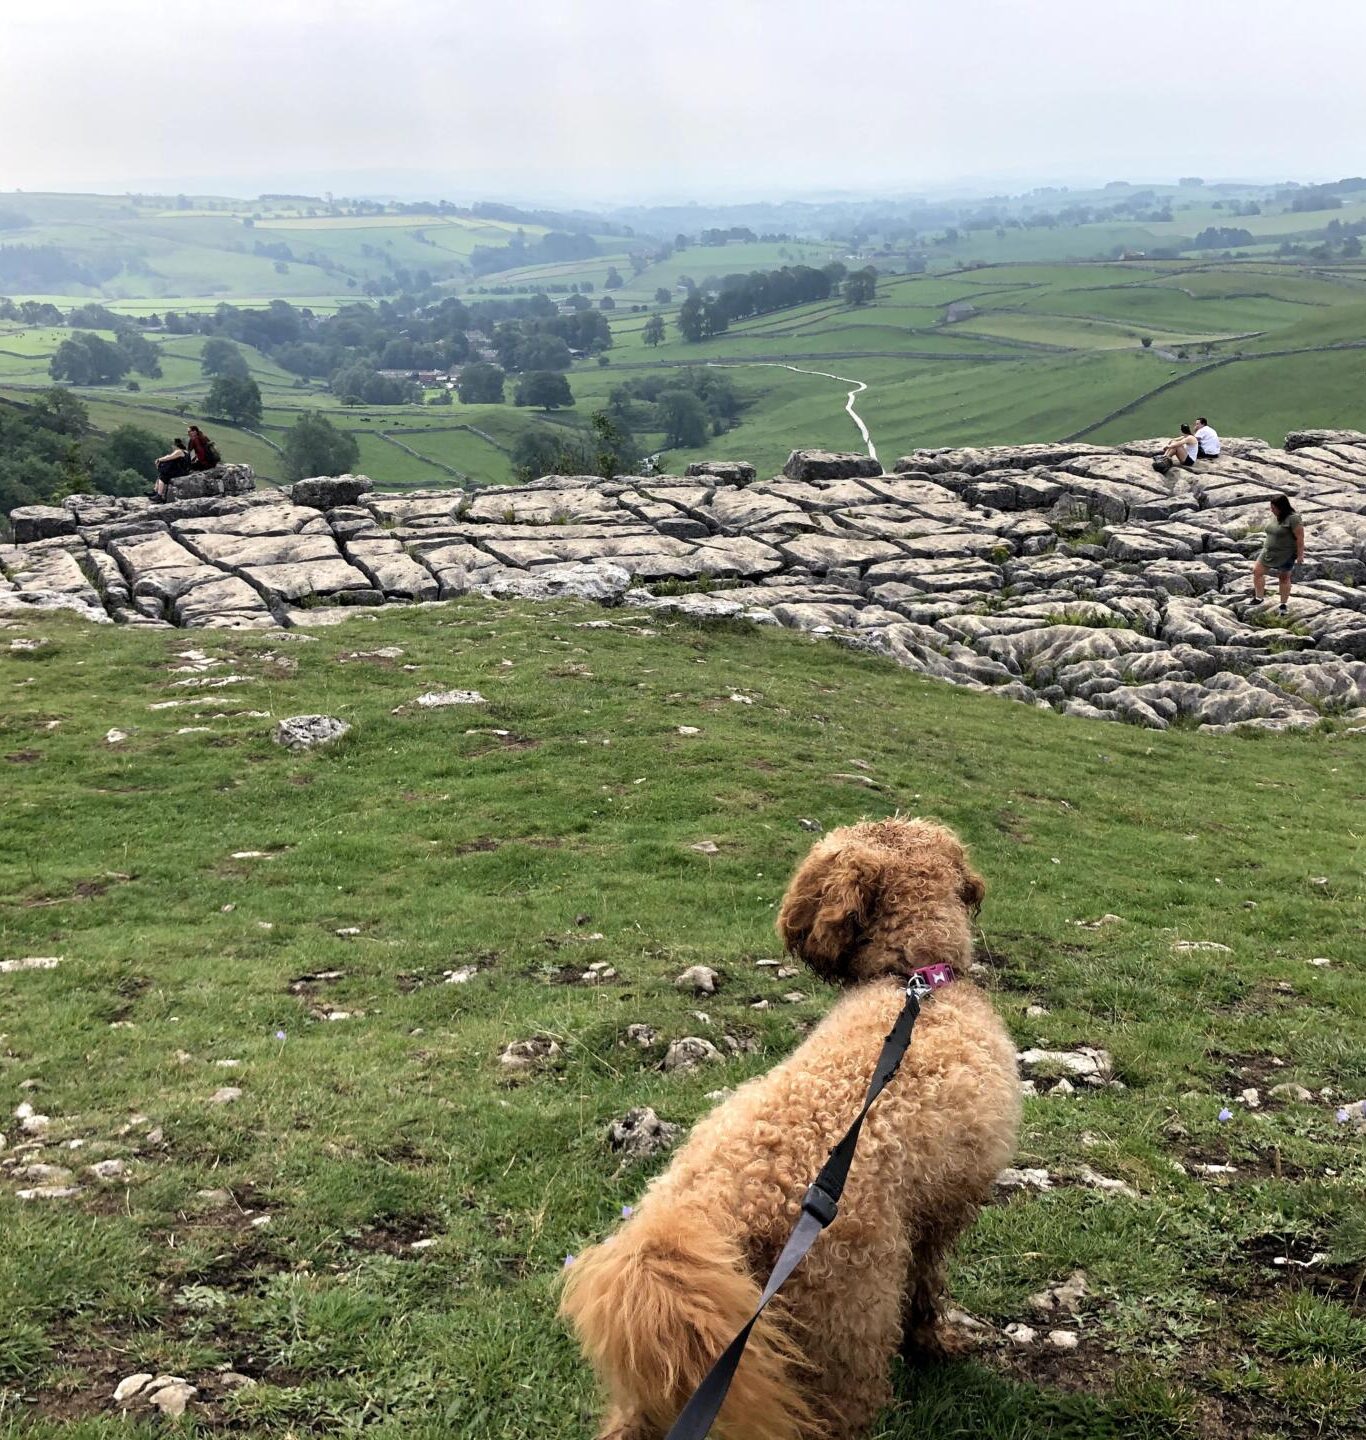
{"points": [[973, 889], [829, 903]]}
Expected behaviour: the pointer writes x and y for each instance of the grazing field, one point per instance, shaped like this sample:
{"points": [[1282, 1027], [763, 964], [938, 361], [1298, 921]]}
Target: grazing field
{"points": [[282, 984], [999, 354]]}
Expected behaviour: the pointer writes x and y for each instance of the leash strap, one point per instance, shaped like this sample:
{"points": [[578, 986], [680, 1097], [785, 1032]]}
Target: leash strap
{"points": [[819, 1208]]}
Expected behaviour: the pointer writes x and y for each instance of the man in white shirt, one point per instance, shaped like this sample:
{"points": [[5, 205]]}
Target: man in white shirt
{"points": [[1209, 441]]}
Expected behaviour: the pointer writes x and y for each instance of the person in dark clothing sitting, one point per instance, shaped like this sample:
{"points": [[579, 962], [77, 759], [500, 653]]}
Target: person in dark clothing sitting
{"points": [[170, 466]]}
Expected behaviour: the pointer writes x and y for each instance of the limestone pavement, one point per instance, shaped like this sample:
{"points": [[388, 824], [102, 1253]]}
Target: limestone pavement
{"points": [[1068, 576]]}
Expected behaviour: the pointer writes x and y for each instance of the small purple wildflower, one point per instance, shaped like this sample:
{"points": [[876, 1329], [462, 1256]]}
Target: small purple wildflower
{"points": [[1341, 1116], [568, 1261], [627, 1211], [1225, 1115], [279, 1034]]}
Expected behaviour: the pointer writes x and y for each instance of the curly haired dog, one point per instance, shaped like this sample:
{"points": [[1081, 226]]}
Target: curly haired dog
{"points": [[656, 1303]]}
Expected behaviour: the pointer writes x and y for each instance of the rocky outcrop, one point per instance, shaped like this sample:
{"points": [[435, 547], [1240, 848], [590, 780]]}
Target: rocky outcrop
{"points": [[1069, 576], [221, 480]]}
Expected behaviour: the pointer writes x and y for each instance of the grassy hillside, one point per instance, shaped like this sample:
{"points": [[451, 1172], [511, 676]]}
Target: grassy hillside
{"points": [[372, 1230], [998, 354]]}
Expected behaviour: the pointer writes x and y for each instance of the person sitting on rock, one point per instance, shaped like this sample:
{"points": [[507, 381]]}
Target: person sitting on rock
{"points": [[1181, 451], [1208, 439], [203, 452], [170, 467], [1282, 550]]}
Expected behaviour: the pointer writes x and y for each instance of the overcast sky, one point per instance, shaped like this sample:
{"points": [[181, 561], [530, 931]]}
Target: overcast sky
{"points": [[605, 99]]}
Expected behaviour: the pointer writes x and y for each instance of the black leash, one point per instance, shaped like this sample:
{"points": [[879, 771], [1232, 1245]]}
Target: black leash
{"points": [[819, 1208]]}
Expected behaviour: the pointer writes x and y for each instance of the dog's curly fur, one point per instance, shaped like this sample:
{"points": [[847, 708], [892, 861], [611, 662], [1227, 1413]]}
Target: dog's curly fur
{"points": [[656, 1303]]}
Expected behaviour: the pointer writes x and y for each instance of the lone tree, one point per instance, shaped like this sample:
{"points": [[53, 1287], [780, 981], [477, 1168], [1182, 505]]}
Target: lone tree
{"points": [[480, 384], [683, 419], [860, 288], [1147, 342], [663, 295], [544, 389], [653, 332], [314, 446], [234, 398], [614, 280], [222, 357]]}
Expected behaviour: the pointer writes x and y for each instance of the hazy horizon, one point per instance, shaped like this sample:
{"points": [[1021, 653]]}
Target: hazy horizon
{"points": [[609, 104]]}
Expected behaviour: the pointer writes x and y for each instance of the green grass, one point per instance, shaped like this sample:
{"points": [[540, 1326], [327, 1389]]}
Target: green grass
{"points": [[566, 840]]}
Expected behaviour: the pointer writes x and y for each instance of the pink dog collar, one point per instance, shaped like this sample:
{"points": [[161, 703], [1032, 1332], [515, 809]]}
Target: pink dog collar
{"points": [[929, 978]]}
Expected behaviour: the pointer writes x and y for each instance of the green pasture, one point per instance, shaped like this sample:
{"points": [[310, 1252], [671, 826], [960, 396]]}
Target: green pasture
{"points": [[370, 1219]]}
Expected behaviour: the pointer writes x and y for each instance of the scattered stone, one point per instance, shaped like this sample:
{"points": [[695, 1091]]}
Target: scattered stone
{"points": [[1012, 1178], [1321, 962], [1021, 1335], [130, 1385], [1065, 1297], [688, 730], [1251, 1098], [48, 1192], [1063, 1339], [690, 1052], [524, 1055], [109, 1170], [172, 1397], [441, 699], [216, 1198], [641, 1135], [1207, 946], [1036, 1012], [30, 962], [1213, 1170], [814, 826], [306, 732], [43, 1174], [1107, 1186], [1091, 1066], [225, 1095], [1289, 1091], [700, 979], [641, 1035], [1099, 924], [706, 847], [1063, 1087], [461, 976], [794, 997]]}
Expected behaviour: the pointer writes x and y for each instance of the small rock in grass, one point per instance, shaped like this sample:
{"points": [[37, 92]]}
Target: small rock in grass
{"points": [[171, 1399], [1066, 1297], [1019, 1334], [718, 1096], [49, 1192], [441, 699], [1063, 1339], [305, 732], [1321, 962], [700, 979], [1200, 947], [348, 930], [30, 962], [641, 1135], [1012, 1178], [1063, 1087], [1036, 1012], [231, 1380], [794, 997], [462, 976], [690, 1052], [1107, 1186], [1251, 1098], [115, 737], [522, 1055], [688, 730], [214, 1197], [130, 1385], [786, 972], [706, 847], [43, 1174], [1085, 1063], [1216, 1170], [814, 826], [225, 1095], [109, 1170], [642, 1035], [1289, 1091]]}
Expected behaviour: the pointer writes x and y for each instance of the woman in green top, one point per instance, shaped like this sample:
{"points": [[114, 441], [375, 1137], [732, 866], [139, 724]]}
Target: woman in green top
{"points": [[1282, 550]]}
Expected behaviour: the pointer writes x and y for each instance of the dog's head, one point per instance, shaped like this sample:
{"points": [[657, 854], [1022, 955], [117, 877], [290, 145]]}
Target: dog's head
{"points": [[882, 898]]}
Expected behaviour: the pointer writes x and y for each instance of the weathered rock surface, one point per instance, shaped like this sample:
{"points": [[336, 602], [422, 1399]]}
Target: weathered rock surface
{"points": [[1067, 576], [305, 732]]}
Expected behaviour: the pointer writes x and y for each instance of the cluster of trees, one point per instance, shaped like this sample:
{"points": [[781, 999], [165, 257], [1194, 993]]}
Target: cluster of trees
{"points": [[554, 248], [49, 450], [48, 267], [350, 347], [606, 447], [686, 406], [89, 359], [703, 315], [1221, 237], [314, 446]]}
